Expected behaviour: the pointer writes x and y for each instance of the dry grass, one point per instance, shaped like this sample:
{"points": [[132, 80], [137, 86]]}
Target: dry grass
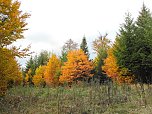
{"points": [[79, 99]]}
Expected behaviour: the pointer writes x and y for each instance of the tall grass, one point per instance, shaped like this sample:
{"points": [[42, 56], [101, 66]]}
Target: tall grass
{"points": [[83, 98]]}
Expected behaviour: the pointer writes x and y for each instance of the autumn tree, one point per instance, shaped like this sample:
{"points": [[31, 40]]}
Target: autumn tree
{"points": [[38, 78], [12, 26], [84, 46], [12, 22], [29, 70], [77, 67], [29, 77], [100, 46], [34, 62], [68, 46], [9, 71], [117, 74], [102, 42], [52, 71], [110, 65]]}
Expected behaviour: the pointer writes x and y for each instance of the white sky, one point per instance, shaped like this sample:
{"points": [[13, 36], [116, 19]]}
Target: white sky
{"points": [[53, 22]]}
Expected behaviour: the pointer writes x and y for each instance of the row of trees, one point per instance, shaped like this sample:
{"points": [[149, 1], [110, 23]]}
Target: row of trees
{"points": [[127, 60], [72, 65]]}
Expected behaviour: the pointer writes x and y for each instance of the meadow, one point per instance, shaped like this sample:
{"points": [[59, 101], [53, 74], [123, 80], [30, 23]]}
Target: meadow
{"points": [[84, 98]]}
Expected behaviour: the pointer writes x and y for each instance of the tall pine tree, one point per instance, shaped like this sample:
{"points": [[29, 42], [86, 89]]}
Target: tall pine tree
{"points": [[143, 68], [84, 46], [125, 42], [134, 49]]}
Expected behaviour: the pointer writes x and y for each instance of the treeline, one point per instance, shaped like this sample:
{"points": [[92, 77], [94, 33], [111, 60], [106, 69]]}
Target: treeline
{"points": [[127, 60], [50, 69], [73, 65]]}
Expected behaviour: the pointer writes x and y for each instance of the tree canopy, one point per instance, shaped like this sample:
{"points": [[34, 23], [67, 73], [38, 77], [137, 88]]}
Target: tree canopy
{"points": [[77, 67], [12, 22]]}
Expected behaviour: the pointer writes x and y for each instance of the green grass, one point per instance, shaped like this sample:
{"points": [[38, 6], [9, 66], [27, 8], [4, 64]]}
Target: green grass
{"points": [[79, 99]]}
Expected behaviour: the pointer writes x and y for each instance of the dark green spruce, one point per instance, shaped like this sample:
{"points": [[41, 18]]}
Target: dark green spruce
{"points": [[134, 50], [84, 46]]}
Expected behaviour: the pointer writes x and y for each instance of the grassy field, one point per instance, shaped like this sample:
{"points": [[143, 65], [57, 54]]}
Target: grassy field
{"points": [[79, 99]]}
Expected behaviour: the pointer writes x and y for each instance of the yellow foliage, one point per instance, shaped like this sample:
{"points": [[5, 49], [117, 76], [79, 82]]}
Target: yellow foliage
{"points": [[12, 22], [9, 70], [3, 87], [77, 67], [52, 68], [125, 76], [38, 78], [28, 77]]}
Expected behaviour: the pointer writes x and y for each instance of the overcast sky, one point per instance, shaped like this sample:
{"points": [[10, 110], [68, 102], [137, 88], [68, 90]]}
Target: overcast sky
{"points": [[53, 22]]}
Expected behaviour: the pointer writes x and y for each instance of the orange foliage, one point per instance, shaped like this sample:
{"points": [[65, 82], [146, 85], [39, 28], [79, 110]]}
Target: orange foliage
{"points": [[121, 75], [51, 76], [110, 65], [77, 67]]}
